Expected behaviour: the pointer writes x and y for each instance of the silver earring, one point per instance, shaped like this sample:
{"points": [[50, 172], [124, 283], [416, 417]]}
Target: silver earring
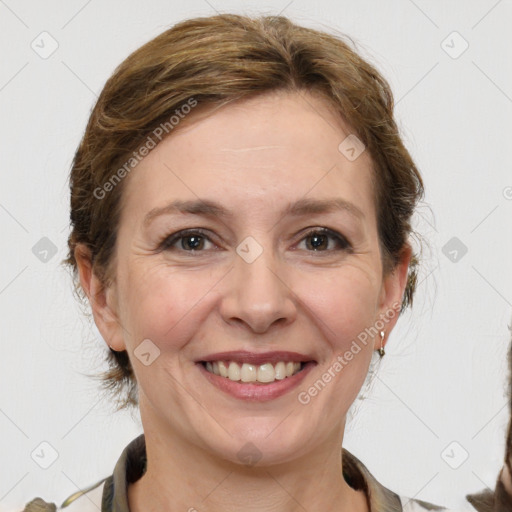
{"points": [[381, 349]]}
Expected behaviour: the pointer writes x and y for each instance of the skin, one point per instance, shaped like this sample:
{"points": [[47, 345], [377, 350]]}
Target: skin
{"points": [[254, 158]]}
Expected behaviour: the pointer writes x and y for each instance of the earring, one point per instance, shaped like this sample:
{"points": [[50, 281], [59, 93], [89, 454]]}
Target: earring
{"points": [[381, 349]]}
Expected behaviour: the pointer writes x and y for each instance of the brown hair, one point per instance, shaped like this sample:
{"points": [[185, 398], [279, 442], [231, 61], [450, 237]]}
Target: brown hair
{"points": [[216, 60], [508, 445]]}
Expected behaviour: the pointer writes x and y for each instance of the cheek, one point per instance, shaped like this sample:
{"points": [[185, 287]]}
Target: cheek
{"points": [[344, 310], [165, 305], [343, 302], [343, 306]]}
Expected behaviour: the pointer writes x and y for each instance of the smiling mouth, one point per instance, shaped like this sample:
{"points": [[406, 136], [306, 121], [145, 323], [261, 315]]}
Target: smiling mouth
{"points": [[265, 373]]}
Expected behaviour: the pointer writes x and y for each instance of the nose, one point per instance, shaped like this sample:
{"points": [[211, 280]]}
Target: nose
{"points": [[257, 295]]}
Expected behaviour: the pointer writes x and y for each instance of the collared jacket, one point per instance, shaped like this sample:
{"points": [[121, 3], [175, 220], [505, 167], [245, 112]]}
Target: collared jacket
{"points": [[110, 493]]}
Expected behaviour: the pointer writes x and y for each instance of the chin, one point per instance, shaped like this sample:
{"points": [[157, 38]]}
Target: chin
{"points": [[264, 441]]}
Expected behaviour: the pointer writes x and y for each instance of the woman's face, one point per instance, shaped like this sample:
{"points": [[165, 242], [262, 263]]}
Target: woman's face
{"points": [[248, 240]]}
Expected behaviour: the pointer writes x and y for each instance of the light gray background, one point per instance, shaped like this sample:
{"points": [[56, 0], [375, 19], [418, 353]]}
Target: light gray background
{"points": [[443, 378]]}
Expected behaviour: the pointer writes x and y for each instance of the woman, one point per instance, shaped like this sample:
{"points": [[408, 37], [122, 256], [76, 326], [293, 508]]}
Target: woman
{"points": [[500, 499], [240, 205]]}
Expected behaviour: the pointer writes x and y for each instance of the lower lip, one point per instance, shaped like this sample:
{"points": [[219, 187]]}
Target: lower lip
{"points": [[257, 392]]}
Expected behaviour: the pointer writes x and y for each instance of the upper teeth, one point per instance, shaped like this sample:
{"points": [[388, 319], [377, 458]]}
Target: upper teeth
{"points": [[247, 372]]}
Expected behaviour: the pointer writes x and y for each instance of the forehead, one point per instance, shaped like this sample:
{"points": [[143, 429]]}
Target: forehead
{"points": [[279, 146]]}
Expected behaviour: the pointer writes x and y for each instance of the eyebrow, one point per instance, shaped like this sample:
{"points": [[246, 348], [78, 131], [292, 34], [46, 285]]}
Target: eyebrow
{"points": [[299, 208], [312, 206], [196, 207]]}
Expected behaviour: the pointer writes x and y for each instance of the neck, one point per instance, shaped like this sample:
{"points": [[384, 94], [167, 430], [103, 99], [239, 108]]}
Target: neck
{"points": [[182, 476]]}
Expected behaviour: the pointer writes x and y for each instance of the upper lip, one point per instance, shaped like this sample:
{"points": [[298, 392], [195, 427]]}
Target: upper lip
{"points": [[257, 358]]}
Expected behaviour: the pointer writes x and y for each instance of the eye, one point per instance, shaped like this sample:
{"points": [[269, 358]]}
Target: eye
{"points": [[191, 240], [323, 239]]}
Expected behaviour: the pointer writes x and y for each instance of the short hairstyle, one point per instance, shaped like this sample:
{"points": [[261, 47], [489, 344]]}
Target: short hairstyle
{"points": [[214, 61], [499, 498], [508, 446]]}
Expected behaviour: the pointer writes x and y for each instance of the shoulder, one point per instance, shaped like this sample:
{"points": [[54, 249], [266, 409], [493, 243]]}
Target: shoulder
{"points": [[100, 496], [86, 500], [414, 505], [382, 499]]}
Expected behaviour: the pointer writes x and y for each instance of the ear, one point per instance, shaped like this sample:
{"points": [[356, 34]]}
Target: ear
{"points": [[392, 292], [103, 301]]}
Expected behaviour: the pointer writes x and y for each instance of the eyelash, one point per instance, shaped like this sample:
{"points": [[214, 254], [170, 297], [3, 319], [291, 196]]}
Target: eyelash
{"points": [[340, 240], [168, 242]]}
